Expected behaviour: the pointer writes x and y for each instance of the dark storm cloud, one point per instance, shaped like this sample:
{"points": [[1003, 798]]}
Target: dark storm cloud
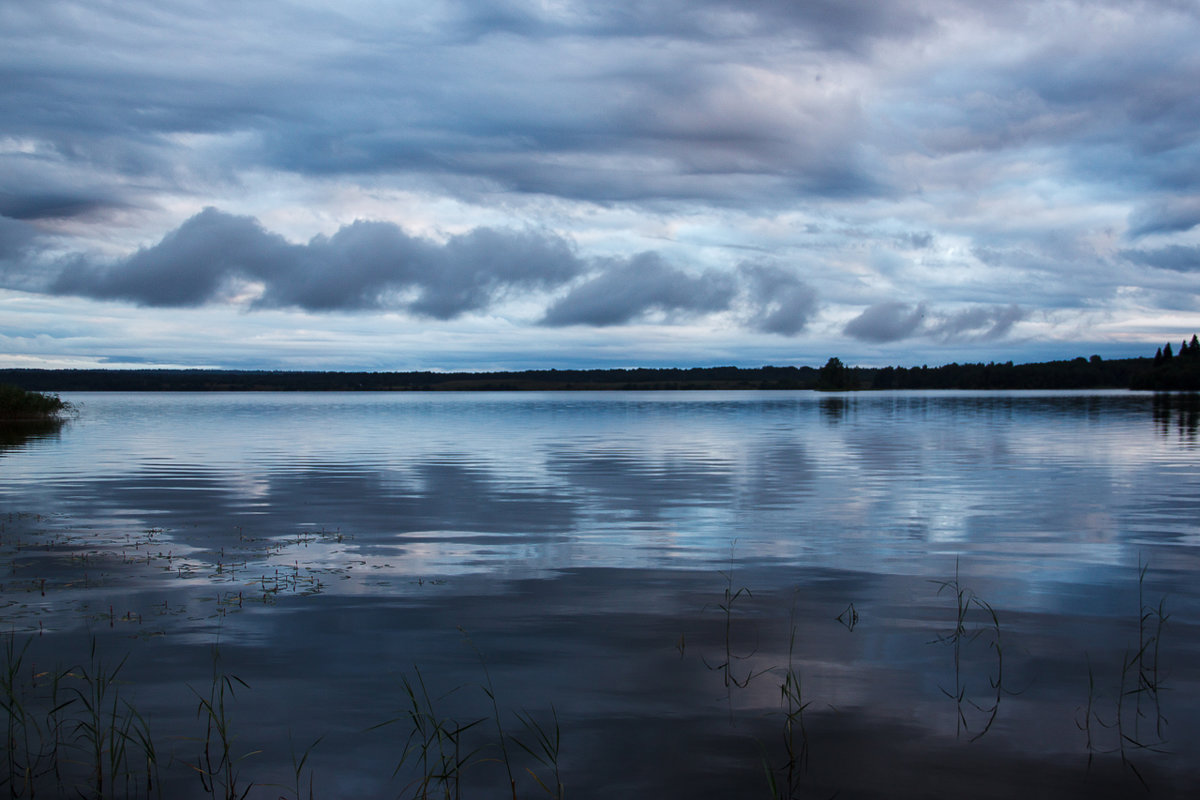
{"points": [[886, 322], [1176, 257], [629, 289], [365, 265], [782, 303]]}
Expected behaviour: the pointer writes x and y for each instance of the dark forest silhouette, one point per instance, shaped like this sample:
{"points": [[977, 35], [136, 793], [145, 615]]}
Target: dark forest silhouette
{"points": [[1168, 370], [1173, 371]]}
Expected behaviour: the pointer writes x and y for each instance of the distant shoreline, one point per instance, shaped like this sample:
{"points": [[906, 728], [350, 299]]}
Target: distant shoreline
{"points": [[1078, 373]]}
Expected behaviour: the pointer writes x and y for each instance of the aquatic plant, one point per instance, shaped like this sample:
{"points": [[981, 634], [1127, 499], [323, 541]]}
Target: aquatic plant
{"points": [[795, 735], [545, 749], [73, 730], [102, 730], [22, 745], [298, 763], [438, 751], [217, 765], [730, 596], [490, 690], [435, 743], [849, 617], [964, 600], [1140, 684]]}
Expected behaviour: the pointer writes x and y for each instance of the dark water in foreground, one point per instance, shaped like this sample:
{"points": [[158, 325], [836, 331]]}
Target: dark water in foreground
{"points": [[650, 569]]}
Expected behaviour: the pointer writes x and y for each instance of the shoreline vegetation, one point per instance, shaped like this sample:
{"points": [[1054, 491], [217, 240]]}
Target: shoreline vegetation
{"points": [[22, 406], [1168, 370]]}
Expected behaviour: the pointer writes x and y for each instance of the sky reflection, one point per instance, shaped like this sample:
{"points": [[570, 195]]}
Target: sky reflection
{"points": [[592, 549]]}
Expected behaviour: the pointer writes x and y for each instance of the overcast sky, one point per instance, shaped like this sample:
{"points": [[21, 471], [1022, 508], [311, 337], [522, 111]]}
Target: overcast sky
{"points": [[500, 184]]}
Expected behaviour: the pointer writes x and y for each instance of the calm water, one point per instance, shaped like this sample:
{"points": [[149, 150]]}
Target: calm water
{"points": [[648, 568]]}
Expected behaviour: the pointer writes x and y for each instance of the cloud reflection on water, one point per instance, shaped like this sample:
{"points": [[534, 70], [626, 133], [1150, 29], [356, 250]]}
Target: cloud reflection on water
{"points": [[584, 546]]}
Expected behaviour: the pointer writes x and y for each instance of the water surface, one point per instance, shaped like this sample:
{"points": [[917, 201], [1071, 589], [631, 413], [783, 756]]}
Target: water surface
{"points": [[649, 568]]}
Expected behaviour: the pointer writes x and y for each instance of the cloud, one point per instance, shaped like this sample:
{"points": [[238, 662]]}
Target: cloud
{"points": [[886, 322], [915, 241], [20, 242], [188, 267], [782, 303], [1173, 215], [365, 265], [43, 205], [483, 264], [628, 289], [974, 155], [579, 101], [16, 237], [823, 24], [979, 323], [1176, 257], [894, 321]]}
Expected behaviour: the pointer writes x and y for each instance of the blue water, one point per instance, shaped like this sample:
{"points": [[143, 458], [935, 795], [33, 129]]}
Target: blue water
{"points": [[649, 567]]}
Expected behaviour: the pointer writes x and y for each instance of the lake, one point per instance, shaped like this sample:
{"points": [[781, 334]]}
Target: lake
{"points": [[695, 594]]}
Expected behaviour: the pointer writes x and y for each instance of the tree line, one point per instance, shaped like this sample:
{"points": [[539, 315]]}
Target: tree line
{"points": [[1173, 371], [1167, 370]]}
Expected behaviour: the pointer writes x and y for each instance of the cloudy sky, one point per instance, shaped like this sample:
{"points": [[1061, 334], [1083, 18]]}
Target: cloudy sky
{"points": [[502, 184]]}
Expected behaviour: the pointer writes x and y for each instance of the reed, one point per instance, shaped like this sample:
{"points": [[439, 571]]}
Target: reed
{"points": [[545, 747], [795, 735], [965, 599], [730, 597], [139, 734], [104, 729], [218, 766], [435, 743], [21, 756], [1151, 620], [298, 763], [490, 690], [1138, 693]]}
